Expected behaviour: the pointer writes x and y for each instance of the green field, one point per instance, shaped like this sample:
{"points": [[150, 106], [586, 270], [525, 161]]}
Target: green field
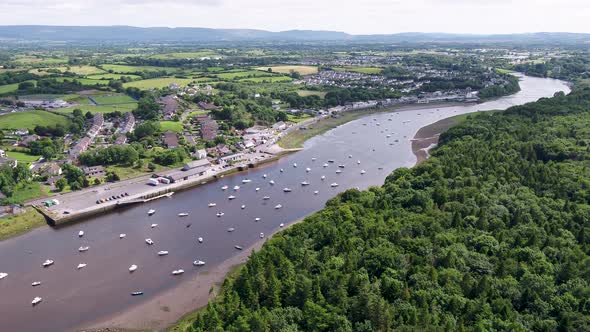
{"points": [[362, 70], [83, 81], [214, 69], [504, 71], [242, 74], [186, 55], [19, 224], [22, 157], [30, 119], [123, 108], [273, 79], [26, 191], [171, 125], [157, 83], [11, 87], [112, 76], [124, 69], [303, 70], [113, 99], [297, 119], [195, 113], [305, 93], [80, 70]]}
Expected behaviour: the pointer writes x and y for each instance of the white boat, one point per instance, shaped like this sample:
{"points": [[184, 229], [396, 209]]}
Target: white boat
{"points": [[341, 166], [138, 293], [256, 219], [36, 300], [236, 188], [81, 266], [238, 247], [224, 187], [264, 176], [358, 162], [287, 190], [220, 214], [149, 241], [295, 165], [183, 214], [363, 172], [231, 229], [308, 169], [278, 206], [122, 235], [198, 263], [388, 136], [36, 283], [266, 198], [162, 253], [323, 177], [272, 182], [326, 165], [261, 235], [151, 212], [331, 160], [282, 170], [305, 183], [313, 159], [231, 197], [177, 272], [47, 263], [316, 192], [3, 275], [132, 268], [281, 225], [349, 156], [200, 239], [257, 189], [243, 207], [83, 249], [154, 225], [333, 185], [80, 233], [338, 171], [246, 181], [212, 204]]}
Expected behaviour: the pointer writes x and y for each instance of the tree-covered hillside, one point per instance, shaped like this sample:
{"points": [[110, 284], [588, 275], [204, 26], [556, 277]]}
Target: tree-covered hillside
{"points": [[490, 234]]}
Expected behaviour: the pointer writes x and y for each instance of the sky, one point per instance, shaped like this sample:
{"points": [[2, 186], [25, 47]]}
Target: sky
{"points": [[355, 17]]}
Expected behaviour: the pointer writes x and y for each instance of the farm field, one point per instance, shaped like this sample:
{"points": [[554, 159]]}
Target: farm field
{"points": [[186, 55], [83, 81], [272, 79], [124, 69], [112, 99], [241, 74], [157, 83], [39, 61], [305, 93], [30, 119], [171, 125], [303, 70], [362, 70], [8, 88], [112, 76], [123, 108], [80, 70]]}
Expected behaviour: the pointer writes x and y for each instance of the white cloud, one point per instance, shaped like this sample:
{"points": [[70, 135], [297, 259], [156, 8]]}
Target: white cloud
{"points": [[358, 16]]}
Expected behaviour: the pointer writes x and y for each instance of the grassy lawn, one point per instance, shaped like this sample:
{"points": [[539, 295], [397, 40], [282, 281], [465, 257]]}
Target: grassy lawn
{"points": [[362, 70], [123, 108], [20, 224], [124, 69], [158, 83], [22, 157], [26, 191], [297, 119], [113, 99], [171, 125], [303, 70], [273, 79], [30, 119], [305, 93]]}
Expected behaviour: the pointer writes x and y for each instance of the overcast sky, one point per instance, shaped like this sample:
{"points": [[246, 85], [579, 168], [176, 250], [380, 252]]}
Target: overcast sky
{"points": [[357, 17]]}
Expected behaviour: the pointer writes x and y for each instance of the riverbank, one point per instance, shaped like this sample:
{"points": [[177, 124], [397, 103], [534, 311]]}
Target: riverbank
{"points": [[295, 139], [20, 224]]}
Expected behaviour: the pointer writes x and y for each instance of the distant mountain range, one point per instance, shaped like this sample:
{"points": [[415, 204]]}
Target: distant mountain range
{"points": [[94, 34]]}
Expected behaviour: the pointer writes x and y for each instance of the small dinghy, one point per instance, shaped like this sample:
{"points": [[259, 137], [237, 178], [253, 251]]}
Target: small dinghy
{"points": [[238, 247], [281, 170], [323, 177], [154, 225], [231, 229], [83, 249], [149, 241], [358, 162], [162, 253], [138, 293], [200, 239], [211, 205], [81, 266], [36, 301], [257, 189], [151, 212], [295, 165], [132, 268], [80, 233], [261, 235], [266, 198], [272, 182], [257, 219], [278, 206], [316, 192], [325, 165], [308, 169], [47, 263], [36, 283], [3, 275], [246, 181], [349, 156], [281, 225], [341, 166], [177, 272], [363, 172], [305, 183], [183, 214], [224, 187], [231, 197], [333, 185], [198, 263], [122, 235], [331, 161], [220, 214], [338, 171], [287, 190], [243, 207], [264, 176], [313, 159], [236, 188]]}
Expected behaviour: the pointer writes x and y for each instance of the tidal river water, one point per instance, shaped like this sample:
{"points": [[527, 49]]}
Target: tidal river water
{"points": [[376, 144]]}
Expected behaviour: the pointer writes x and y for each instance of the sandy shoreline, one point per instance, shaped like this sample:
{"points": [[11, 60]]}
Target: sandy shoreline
{"points": [[428, 136]]}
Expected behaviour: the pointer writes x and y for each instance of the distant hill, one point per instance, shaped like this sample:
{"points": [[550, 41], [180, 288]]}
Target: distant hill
{"points": [[92, 34]]}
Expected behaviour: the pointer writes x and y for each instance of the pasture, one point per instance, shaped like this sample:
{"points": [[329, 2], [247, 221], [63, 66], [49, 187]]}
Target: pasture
{"points": [[9, 88], [124, 69], [112, 76], [157, 83], [30, 119], [186, 55], [303, 70], [80, 70], [241, 74], [305, 93], [267, 79], [113, 99]]}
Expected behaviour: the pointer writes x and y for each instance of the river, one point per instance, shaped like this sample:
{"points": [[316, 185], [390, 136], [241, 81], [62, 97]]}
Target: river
{"points": [[74, 297]]}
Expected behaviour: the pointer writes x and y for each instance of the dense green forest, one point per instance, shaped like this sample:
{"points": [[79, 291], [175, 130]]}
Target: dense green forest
{"points": [[492, 233]]}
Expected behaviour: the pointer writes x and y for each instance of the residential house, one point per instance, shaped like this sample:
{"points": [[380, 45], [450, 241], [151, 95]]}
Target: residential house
{"points": [[208, 106], [26, 140], [209, 128], [80, 147], [279, 126], [170, 106], [121, 140], [200, 154], [128, 124], [170, 139], [232, 158], [94, 171]]}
